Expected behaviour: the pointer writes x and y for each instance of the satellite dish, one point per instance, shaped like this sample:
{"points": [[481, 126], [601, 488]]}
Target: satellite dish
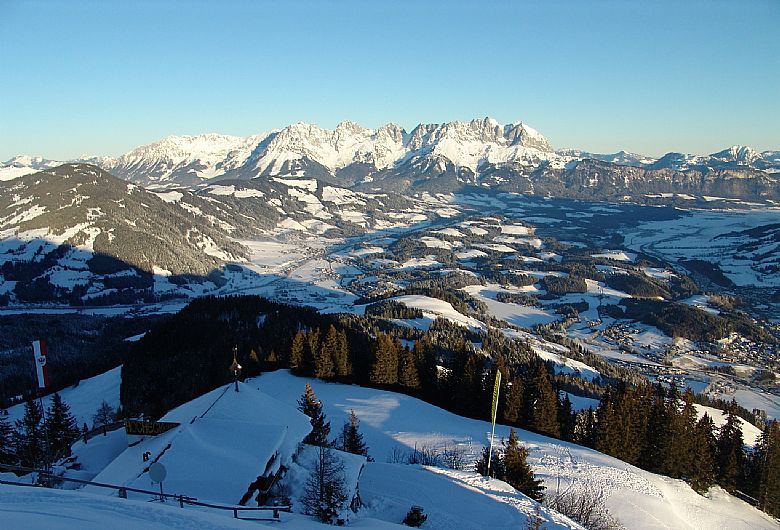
{"points": [[157, 472]]}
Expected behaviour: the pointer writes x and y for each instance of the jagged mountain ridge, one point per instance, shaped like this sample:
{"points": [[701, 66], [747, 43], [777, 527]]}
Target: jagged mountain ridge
{"points": [[432, 157]]}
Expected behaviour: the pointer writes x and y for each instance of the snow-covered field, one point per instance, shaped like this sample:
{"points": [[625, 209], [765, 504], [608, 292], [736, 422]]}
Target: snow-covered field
{"points": [[713, 236], [392, 424], [638, 499]]}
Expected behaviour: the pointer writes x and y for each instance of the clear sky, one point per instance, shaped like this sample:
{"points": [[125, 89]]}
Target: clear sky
{"points": [[648, 76]]}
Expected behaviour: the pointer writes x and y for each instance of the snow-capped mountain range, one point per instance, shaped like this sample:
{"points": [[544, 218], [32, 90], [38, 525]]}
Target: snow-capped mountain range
{"points": [[351, 154]]}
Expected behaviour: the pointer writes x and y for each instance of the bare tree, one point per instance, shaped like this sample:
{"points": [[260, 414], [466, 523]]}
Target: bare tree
{"points": [[454, 456], [585, 503], [105, 415], [324, 493]]}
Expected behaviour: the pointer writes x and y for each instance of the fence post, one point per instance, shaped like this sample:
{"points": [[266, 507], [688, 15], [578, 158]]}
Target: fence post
{"points": [[122, 493], [235, 513]]}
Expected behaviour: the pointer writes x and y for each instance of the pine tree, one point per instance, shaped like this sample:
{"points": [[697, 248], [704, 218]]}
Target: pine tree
{"points": [[769, 468], [61, 428], [351, 437], [341, 364], [384, 370], [702, 472], [407, 370], [542, 402], [656, 438], [7, 450], [687, 434], [585, 428], [254, 362], [467, 384], [312, 407], [30, 438], [310, 351], [519, 474], [497, 469], [427, 369], [730, 452], [513, 402], [296, 352], [566, 418], [606, 429], [272, 360], [323, 361]]}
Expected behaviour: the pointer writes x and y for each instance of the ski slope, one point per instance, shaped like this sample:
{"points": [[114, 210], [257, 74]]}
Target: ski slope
{"points": [[202, 462], [636, 498]]}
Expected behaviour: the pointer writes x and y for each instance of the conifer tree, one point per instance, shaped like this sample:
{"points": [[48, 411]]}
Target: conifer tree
{"points": [[7, 451], [566, 418], [702, 472], [296, 352], [513, 402], [686, 434], [272, 360], [312, 407], [518, 473], [730, 452], [497, 469], [542, 402], [323, 361], [769, 469], [310, 351], [656, 438], [407, 370], [341, 365], [427, 369], [61, 428], [384, 370], [254, 362], [468, 386], [29, 437], [585, 428], [352, 438]]}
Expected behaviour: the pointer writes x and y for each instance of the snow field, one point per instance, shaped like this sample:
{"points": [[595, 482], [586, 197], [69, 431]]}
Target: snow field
{"points": [[392, 421]]}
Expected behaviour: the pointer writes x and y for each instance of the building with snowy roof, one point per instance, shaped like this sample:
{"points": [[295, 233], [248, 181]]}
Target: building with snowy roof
{"points": [[228, 445]]}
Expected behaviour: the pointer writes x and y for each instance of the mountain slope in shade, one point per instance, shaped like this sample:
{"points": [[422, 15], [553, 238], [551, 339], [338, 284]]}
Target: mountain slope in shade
{"points": [[93, 212]]}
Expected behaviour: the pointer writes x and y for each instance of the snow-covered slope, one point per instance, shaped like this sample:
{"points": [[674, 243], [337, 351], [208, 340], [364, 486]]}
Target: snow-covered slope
{"points": [[638, 499], [46, 509], [392, 424], [181, 159], [22, 165]]}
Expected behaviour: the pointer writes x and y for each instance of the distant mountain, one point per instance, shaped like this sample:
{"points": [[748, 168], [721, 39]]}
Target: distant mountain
{"points": [[180, 160], [77, 234], [85, 207], [432, 157], [22, 165]]}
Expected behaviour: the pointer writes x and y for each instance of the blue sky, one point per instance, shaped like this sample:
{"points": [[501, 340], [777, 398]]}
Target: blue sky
{"points": [[647, 76]]}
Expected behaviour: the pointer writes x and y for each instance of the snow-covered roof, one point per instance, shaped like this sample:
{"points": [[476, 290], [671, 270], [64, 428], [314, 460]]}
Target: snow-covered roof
{"points": [[223, 444]]}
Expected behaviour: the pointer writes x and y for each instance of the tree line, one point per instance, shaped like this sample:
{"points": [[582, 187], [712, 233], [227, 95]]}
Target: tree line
{"points": [[638, 423]]}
